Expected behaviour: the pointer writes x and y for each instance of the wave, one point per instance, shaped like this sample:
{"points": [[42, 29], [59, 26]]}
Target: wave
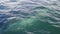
{"points": [[16, 15]]}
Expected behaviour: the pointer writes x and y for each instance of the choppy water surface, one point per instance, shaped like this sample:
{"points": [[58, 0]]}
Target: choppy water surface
{"points": [[29, 16]]}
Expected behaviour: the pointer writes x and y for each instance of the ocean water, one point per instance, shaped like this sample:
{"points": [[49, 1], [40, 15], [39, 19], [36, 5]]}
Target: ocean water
{"points": [[29, 16]]}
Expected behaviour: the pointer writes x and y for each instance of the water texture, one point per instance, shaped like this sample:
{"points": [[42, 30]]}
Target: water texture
{"points": [[29, 16]]}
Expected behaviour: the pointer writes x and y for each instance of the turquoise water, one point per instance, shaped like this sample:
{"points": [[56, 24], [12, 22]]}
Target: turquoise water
{"points": [[29, 17]]}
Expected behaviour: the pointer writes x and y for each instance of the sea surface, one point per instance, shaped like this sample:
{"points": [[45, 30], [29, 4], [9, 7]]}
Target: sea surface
{"points": [[29, 16]]}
